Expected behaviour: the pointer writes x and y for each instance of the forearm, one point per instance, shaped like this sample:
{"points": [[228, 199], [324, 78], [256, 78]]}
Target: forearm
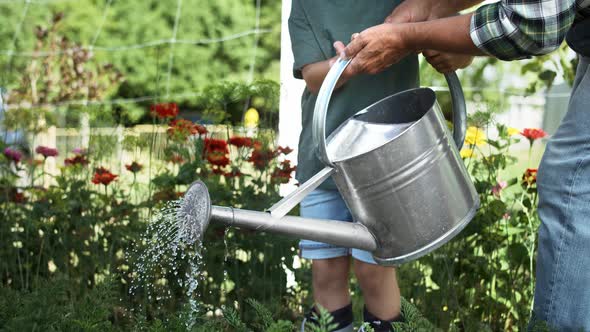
{"points": [[459, 5], [314, 75], [446, 8], [447, 34]]}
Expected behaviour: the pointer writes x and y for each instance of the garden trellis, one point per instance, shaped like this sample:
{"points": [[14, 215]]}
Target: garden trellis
{"points": [[12, 52]]}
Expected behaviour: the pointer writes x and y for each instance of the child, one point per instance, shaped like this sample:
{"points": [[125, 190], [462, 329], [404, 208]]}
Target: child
{"points": [[316, 27]]}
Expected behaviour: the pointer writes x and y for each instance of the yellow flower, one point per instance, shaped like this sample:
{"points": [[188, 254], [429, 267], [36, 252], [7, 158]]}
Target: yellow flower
{"points": [[466, 153], [475, 136], [251, 118], [513, 131]]}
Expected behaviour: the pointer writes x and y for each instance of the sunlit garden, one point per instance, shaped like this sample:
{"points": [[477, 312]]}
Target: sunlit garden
{"points": [[110, 110]]}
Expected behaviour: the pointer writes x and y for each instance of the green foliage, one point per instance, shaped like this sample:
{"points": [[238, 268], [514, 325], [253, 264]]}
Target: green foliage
{"points": [[195, 61], [262, 320], [323, 321], [484, 278], [53, 307], [545, 69], [414, 321]]}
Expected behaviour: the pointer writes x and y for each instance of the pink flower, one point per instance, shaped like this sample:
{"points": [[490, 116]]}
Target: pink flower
{"points": [[13, 155], [498, 188], [79, 151], [46, 151]]}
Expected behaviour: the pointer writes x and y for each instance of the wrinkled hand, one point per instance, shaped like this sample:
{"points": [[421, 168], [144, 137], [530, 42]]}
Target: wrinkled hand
{"points": [[375, 49], [445, 63]]}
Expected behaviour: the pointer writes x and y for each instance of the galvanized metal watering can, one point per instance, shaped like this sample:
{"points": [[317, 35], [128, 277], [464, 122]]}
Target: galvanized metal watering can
{"points": [[396, 167]]}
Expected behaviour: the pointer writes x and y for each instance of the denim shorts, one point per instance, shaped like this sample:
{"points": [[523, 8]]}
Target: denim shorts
{"points": [[328, 204]]}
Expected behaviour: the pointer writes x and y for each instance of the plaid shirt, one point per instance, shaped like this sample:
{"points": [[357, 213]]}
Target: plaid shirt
{"points": [[516, 29]]}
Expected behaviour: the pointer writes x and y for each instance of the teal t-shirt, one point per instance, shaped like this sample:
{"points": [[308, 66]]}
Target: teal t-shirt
{"points": [[314, 26]]}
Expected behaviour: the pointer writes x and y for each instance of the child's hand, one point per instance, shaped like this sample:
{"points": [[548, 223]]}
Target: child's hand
{"points": [[339, 47], [445, 63]]}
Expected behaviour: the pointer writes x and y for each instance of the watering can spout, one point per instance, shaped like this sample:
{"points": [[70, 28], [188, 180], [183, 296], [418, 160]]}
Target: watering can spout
{"points": [[197, 204]]}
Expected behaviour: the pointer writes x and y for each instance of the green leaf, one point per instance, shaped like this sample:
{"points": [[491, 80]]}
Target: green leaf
{"points": [[517, 254]]}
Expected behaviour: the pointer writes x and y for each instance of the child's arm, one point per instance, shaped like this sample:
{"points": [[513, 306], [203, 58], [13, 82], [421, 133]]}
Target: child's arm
{"points": [[314, 73]]}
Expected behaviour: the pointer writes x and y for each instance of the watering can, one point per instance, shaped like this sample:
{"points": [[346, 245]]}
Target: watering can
{"points": [[397, 168]]}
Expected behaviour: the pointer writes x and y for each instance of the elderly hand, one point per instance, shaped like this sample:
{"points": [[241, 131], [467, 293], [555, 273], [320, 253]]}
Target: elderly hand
{"points": [[445, 63], [376, 48]]}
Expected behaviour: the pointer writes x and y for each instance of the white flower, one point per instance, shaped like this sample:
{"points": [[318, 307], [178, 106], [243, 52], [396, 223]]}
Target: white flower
{"points": [[74, 260], [17, 244], [51, 266]]}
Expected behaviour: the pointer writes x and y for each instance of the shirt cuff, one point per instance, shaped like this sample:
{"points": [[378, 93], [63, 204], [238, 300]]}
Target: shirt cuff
{"points": [[488, 34]]}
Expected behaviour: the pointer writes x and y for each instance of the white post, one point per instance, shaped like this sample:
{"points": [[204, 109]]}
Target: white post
{"points": [[290, 103], [84, 130]]}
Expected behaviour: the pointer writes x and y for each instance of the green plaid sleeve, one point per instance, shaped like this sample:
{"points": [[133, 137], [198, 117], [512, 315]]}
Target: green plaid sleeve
{"points": [[516, 29]]}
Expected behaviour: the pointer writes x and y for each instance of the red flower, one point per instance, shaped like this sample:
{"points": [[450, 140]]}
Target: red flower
{"points": [[13, 155], [18, 198], [218, 159], [284, 150], [257, 145], [240, 142], [282, 174], [134, 167], [533, 133], [181, 129], [76, 160], [529, 177], [216, 145], [261, 158], [164, 110], [217, 152], [201, 129], [233, 174], [218, 171], [176, 159], [103, 176], [46, 151]]}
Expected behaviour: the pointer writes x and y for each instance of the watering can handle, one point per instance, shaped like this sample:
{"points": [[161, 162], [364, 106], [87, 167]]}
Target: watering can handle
{"points": [[323, 101]]}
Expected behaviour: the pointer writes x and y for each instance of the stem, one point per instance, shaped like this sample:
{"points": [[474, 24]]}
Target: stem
{"points": [[39, 260], [530, 155]]}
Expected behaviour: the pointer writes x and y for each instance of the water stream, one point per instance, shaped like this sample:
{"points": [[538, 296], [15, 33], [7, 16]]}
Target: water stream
{"points": [[169, 256]]}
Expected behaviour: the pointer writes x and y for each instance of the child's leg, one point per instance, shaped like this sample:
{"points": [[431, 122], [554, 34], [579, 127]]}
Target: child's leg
{"points": [[330, 264]]}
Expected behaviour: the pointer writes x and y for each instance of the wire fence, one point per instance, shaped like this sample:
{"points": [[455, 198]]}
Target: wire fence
{"points": [[11, 52], [509, 96]]}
